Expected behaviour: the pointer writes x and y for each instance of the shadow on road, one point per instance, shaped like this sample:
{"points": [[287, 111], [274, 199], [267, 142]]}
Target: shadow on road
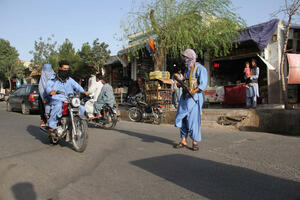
{"points": [[147, 138], [35, 132], [39, 135], [218, 181], [24, 191]]}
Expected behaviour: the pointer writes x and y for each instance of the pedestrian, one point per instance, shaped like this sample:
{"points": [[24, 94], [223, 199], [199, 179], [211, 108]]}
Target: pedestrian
{"points": [[188, 116], [177, 91], [252, 92], [44, 98]]}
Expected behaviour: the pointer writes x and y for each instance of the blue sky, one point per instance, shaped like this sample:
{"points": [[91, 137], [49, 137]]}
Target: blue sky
{"points": [[24, 21]]}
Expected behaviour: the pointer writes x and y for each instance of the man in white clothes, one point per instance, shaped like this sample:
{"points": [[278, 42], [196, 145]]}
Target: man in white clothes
{"points": [[94, 89]]}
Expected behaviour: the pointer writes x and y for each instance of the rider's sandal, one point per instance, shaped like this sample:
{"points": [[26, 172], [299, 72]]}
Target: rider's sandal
{"points": [[96, 117], [195, 147], [180, 145], [42, 124]]}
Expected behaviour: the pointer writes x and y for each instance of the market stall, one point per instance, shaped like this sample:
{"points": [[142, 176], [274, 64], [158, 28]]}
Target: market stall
{"points": [[158, 89], [229, 74]]}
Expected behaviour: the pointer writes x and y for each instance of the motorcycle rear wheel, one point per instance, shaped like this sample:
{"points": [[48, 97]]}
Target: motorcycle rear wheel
{"points": [[135, 114], [80, 140], [112, 119], [53, 140]]}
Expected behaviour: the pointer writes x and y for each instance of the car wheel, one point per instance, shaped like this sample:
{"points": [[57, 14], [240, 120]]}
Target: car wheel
{"points": [[25, 110], [8, 107]]}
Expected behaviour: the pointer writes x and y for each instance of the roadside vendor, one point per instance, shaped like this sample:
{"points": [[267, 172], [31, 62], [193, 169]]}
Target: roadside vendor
{"points": [[252, 92]]}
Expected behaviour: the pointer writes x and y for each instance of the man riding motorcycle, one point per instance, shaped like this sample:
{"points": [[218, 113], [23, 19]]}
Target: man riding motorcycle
{"points": [[94, 89], [65, 85], [106, 96]]}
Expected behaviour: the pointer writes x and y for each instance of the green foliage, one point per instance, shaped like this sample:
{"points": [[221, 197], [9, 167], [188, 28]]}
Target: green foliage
{"points": [[204, 25], [85, 66], [83, 63], [9, 62], [44, 52], [67, 52], [94, 56]]}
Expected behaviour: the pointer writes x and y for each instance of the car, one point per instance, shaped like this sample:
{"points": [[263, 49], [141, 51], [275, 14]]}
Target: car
{"points": [[25, 98]]}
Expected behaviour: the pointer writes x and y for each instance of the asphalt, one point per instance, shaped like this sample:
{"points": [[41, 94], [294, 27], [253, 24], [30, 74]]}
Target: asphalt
{"points": [[137, 161]]}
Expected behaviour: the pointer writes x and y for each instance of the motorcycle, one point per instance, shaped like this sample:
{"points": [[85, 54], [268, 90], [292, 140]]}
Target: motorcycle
{"points": [[143, 111], [72, 127], [131, 100], [109, 118]]}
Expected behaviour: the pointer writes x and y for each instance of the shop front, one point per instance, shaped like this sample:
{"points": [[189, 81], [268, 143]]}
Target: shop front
{"points": [[228, 85]]}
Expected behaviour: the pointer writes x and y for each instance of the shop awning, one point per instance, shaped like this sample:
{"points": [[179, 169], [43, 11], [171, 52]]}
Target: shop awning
{"points": [[269, 66], [132, 48], [166, 80], [294, 68]]}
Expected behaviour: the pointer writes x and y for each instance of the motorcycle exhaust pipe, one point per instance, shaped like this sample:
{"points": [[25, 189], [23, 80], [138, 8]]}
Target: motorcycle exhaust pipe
{"points": [[45, 130]]}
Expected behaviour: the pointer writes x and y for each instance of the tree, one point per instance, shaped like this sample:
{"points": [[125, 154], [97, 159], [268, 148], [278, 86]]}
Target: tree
{"points": [[290, 9], [95, 56], [100, 54], [10, 65], [86, 65], [67, 52], [204, 25], [44, 52]]}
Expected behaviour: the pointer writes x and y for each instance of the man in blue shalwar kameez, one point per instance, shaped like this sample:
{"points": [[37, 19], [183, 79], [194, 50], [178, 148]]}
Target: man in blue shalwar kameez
{"points": [[64, 83], [188, 116]]}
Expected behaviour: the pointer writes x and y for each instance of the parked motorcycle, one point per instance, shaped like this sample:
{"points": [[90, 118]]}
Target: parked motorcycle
{"points": [[72, 127], [143, 111], [131, 100]]}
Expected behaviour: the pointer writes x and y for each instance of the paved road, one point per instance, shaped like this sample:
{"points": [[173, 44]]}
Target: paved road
{"points": [[136, 161]]}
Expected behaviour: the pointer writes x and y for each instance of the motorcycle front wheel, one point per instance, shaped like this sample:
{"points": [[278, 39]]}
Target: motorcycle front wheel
{"points": [[80, 139], [157, 118], [134, 114]]}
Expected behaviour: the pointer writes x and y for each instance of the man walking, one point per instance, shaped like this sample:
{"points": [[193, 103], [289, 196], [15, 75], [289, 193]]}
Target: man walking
{"points": [[188, 116]]}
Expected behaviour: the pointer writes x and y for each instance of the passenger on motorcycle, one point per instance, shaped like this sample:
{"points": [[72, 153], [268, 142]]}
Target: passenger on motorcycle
{"points": [[94, 89], [106, 96], [65, 84]]}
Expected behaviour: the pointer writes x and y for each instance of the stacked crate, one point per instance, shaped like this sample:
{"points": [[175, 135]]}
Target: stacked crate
{"points": [[157, 92]]}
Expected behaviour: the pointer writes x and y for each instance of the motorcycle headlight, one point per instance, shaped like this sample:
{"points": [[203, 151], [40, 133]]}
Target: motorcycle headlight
{"points": [[75, 102], [114, 111]]}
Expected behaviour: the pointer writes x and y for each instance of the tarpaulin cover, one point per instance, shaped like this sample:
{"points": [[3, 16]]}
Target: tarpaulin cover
{"points": [[235, 95], [294, 68], [261, 34]]}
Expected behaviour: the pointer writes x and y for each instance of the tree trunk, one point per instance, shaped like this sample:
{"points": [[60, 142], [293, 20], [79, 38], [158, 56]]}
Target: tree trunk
{"points": [[158, 59], [10, 85], [283, 81]]}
